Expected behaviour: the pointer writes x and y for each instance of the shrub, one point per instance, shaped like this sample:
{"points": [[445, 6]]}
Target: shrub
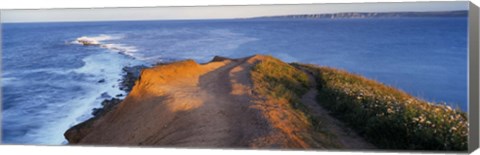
{"points": [[388, 117]]}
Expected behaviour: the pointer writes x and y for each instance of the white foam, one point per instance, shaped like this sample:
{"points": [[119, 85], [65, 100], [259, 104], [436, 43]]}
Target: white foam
{"points": [[107, 66], [102, 41], [104, 66], [57, 118], [121, 48], [96, 40], [8, 80]]}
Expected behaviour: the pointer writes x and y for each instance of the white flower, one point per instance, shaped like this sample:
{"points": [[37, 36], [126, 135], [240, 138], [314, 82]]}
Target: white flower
{"points": [[389, 111], [449, 108]]}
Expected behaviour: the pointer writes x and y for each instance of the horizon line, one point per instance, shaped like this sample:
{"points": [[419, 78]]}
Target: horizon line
{"points": [[234, 18]]}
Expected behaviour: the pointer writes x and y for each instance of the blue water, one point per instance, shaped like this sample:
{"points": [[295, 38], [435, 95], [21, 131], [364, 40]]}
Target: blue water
{"points": [[50, 82]]}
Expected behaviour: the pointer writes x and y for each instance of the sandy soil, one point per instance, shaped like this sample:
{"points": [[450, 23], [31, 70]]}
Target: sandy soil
{"points": [[186, 104]]}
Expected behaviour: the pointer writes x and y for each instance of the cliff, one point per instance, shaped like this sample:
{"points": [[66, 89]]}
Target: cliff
{"points": [[253, 102], [346, 15]]}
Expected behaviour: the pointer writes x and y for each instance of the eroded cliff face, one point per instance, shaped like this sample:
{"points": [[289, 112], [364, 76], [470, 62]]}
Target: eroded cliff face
{"points": [[186, 104]]}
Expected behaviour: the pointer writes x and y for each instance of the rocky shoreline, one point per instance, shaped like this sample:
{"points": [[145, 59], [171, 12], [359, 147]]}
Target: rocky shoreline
{"points": [[131, 74], [189, 104], [262, 102]]}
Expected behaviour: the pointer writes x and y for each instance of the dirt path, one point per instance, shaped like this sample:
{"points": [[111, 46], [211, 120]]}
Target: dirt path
{"points": [[221, 120], [204, 106], [186, 104], [343, 134]]}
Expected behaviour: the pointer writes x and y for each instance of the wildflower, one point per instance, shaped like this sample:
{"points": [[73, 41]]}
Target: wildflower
{"points": [[449, 108], [389, 111], [458, 117]]}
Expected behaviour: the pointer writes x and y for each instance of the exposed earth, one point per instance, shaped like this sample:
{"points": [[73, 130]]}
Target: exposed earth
{"points": [[186, 104]]}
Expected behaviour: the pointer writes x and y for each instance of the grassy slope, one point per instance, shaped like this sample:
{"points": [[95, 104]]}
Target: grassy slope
{"points": [[388, 117], [285, 85], [279, 80]]}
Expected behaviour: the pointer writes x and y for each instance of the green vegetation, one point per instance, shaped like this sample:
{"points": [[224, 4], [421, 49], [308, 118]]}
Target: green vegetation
{"points": [[285, 85], [388, 117], [275, 78]]}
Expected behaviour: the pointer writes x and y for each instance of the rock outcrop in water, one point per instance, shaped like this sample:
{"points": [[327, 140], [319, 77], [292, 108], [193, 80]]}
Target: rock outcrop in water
{"points": [[87, 41]]}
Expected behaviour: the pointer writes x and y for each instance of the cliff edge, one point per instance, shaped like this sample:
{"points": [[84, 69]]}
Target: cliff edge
{"points": [[262, 102]]}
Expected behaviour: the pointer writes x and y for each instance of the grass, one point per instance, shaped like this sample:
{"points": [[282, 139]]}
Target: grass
{"points": [[285, 85], [388, 117], [279, 80]]}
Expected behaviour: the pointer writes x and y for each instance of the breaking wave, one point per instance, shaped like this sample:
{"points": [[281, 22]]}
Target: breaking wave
{"points": [[103, 42]]}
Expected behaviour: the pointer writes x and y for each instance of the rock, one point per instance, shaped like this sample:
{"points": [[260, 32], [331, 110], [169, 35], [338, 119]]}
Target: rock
{"points": [[77, 132], [87, 41], [219, 58], [119, 95], [108, 105], [97, 111], [101, 81], [134, 70], [105, 95], [131, 75]]}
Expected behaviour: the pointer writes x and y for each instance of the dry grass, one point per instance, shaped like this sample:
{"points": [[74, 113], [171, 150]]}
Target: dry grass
{"points": [[279, 80], [388, 117], [284, 85]]}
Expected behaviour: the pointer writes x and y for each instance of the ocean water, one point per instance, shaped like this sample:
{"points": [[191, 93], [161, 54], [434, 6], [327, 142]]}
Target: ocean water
{"points": [[50, 82]]}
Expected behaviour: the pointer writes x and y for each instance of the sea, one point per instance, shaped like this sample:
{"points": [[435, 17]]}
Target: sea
{"points": [[51, 82]]}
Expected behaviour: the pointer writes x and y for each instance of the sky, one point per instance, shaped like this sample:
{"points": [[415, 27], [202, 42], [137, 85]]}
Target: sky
{"points": [[216, 12]]}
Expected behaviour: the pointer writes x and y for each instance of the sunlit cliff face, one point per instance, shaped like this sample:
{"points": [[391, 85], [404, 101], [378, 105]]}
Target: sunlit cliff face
{"points": [[178, 82]]}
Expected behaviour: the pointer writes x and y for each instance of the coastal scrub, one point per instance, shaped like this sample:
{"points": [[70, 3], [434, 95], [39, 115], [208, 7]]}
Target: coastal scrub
{"points": [[388, 117], [282, 87]]}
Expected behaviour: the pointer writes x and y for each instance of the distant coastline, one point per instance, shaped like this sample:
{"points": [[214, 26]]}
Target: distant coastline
{"points": [[356, 15], [341, 15], [394, 51]]}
